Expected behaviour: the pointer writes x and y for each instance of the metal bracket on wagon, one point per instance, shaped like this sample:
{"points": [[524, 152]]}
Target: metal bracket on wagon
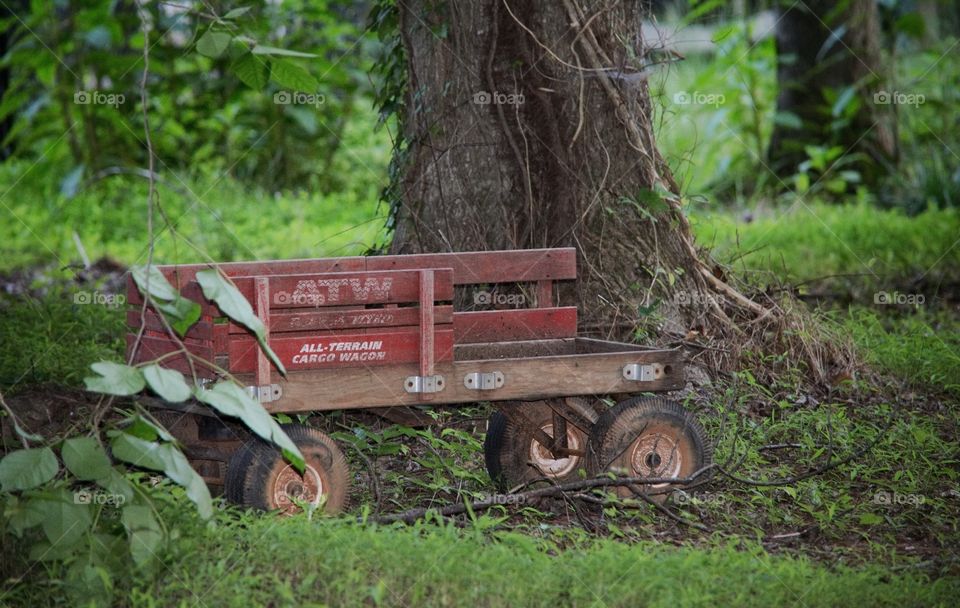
{"points": [[423, 384], [483, 381], [642, 373], [265, 393]]}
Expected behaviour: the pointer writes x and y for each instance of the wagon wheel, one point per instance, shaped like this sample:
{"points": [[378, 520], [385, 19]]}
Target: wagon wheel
{"points": [[259, 477], [514, 457], [648, 437]]}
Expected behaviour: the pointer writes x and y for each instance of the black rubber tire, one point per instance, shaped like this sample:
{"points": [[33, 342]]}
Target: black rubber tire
{"points": [[257, 467], [649, 437], [507, 448]]}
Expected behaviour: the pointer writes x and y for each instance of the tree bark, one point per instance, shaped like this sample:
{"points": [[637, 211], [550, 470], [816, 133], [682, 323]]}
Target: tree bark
{"points": [[821, 47], [529, 125]]}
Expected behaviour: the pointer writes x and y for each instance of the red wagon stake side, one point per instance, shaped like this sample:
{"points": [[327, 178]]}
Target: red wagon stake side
{"points": [[382, 332]]}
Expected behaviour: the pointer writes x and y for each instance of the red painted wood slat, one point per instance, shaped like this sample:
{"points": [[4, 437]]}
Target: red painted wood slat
{"points": [[513, 325], [341, 350]]}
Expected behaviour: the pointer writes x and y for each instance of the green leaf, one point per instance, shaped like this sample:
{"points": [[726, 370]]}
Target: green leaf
{"points": [[182, 312], [870, 519], [788, 119], [115, 483], [167, 383], [231, 400], [252, 71], [262, 49], [146, 536], [85, 458], [115, 379], [25, 469], [237, 12], [65, 520], [22, 515], [150, 280], [213, 44], [844, 99], [167, 458], [291, 76], [911, 24], [234, 305]]}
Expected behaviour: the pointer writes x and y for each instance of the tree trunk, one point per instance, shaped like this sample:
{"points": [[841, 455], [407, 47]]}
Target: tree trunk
{"points": [[822, 48], [528, 125]]}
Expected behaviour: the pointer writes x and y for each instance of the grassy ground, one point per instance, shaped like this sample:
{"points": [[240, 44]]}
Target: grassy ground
{"points": [[338, 563], [882, 529]]}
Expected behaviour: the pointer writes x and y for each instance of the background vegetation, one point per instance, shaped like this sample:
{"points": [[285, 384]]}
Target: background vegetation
{"points": [[242, 176]]}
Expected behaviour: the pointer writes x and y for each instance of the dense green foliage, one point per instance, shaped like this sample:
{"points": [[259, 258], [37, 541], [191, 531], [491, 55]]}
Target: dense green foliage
{"points": [[223, 89], [245, 174]]}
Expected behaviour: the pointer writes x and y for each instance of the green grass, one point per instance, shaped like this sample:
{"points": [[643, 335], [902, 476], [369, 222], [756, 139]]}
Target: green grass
{"points": [[222, 220], [861, 243], [257, 561], [922, 348], [54, 339]]}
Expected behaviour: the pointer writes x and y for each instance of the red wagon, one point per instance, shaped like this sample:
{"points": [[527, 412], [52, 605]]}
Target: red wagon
{"points": [[407, 330]]}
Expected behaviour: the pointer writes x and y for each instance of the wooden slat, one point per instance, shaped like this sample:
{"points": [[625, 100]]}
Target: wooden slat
{"points": [[427, 328], [512, 325], [201, 330], [261, 306], [181, 274], [525, 379], [349, 319], [469, 267], [348, 288], [489, 266], [152, 347], [341, 351]]}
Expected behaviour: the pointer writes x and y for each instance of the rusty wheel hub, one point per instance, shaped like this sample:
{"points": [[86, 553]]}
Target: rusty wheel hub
{"points": [[292, 488], [656, 455], [544, 460]]}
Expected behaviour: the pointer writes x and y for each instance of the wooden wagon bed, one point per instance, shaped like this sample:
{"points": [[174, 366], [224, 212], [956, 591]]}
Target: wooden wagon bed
{"points": [[386, 331]]}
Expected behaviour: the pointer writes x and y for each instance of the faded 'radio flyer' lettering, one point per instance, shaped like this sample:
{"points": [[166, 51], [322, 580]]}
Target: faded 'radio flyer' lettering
{"points": [[328, 291], [344, 352]]}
